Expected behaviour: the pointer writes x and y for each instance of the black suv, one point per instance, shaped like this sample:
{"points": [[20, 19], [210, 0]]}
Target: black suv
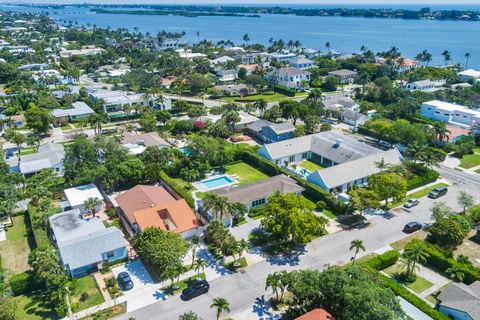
{"points": [[197, 288], [412, 227], [437, 192]]}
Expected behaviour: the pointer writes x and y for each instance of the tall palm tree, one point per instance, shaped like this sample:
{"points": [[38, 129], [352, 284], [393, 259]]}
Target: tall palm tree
{"points": [[441, 132], [273, 282], [221, 305], [467, 57], [414, 253], [356, 245], [241, 247], [200, 265], [447, 56], [261, 105], [194, 244], [91, 205], [216, 204]]}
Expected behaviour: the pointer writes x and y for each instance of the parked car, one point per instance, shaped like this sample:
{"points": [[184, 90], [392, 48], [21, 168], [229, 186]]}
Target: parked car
{"points": [[412, 226], [125, 281], [196, 289], [411, 203], [438, 192]]}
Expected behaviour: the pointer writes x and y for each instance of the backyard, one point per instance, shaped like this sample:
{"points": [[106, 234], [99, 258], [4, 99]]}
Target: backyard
{"points": [[86, 294], [268, 96], [246, 173], [33, 307], [14, 251], [419, 285], [310, 165]]}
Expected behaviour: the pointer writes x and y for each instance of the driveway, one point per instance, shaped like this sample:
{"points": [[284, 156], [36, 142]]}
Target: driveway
{"points": [[144, 291]]}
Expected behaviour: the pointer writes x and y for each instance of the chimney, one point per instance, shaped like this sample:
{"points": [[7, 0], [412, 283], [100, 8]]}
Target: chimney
{"points": [[338, 142]]}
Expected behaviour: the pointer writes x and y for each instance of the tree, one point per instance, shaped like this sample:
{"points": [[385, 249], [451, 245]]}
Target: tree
{"points": [[440, 210], [38, 119], [261, 104], [467, 58], [220, 305], [162, 249], [91, 205], [246, 38], [465, 200], [447, 232], [363, 198], [447, 56], [388, 185], [200, 265], [148, 122], [241, 247], [216, 204], [163, 116], [15, 137], [290, 218], [330, 84], [190, 315], [273, 282], [358, 246], [33, 141], [8, 308], [414, 253]]}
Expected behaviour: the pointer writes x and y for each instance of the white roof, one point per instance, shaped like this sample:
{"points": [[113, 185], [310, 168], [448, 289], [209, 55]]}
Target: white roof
{"points": [[77, 195], [447, 106], [470, 73], [78, 108], [245, 118]]}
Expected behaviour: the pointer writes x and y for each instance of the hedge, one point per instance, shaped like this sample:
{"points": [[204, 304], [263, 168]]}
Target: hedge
{"points": [[421, 175], [185, 194], [401, 291], [284, 90], [383, 261], [40, 235], [367, 132], [439, 260], [311, 191], [24, 283]]}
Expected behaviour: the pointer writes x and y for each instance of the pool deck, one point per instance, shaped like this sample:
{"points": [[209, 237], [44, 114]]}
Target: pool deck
{"points": [[202, 187]]}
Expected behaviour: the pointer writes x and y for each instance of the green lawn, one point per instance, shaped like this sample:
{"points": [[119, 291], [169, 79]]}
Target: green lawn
{"points": [[26, 151], [182, 284], [269, 97], [469, 161], [86, 294], [476, 150], [419, 285], [231, 265], [14, 251], [33, 307], [246, 173], [310, 165], [418, 194], [108, 313]]}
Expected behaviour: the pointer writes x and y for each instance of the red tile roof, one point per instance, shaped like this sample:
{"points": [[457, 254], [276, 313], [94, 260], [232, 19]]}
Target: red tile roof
{"points": [[316, 314]]}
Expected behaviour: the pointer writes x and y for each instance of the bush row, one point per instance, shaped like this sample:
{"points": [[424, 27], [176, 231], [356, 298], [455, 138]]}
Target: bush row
{"points": [[185, 194], [401, 291], [24, 283], [383, 261], [284, 90], [415, 181], [311, 191], [439, 260], [39, 234], [367, 132]]}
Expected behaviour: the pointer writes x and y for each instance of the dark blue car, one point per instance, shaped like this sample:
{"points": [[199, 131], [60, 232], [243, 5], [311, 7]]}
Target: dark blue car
{"points": [[125, 281]]}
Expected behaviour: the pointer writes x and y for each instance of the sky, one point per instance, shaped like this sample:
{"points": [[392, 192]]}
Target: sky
{"points": [[338, 2]]}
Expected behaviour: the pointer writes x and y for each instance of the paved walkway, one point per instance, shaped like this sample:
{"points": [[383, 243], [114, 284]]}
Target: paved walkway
{"points": [[437, 279], [101, 284]]}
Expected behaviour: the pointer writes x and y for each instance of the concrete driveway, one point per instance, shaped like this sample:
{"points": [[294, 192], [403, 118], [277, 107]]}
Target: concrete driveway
{"points": [[144, 291]]}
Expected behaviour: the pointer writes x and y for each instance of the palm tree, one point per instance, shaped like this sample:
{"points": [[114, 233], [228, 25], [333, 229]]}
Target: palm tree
{"points": [[467, 57], [261, 105], [414, 253], [273, 282], [356, 245], [455, 274], [441, 132], [241, 247], [200, 264], [382, 165], [363, 78], [198, 35], [194, 244], [216, 204], [221, 305], [91, 205], [246, 38], [447, 56], [327, 45]]}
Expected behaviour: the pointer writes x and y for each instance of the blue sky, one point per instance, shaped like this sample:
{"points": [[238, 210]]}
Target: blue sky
{"points": [[338, 2]]}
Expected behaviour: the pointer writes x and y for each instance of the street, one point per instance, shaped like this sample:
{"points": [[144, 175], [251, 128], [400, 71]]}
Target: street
{"points": [[246, 289]]}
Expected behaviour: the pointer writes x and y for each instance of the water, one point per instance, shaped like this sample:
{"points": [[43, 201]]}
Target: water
{"points": [[217, 182], [344, 34]]}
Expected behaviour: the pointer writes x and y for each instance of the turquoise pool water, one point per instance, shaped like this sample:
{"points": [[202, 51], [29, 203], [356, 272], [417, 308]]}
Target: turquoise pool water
{"points": [[217, 182]]}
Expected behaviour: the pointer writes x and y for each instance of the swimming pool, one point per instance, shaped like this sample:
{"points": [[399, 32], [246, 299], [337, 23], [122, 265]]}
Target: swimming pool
{"points": [[214, 183]]}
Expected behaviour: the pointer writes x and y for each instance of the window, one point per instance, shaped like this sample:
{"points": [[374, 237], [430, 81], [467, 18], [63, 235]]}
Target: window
{"points": [[291, 159], [110, 254], [258, 202], [305, 155]]}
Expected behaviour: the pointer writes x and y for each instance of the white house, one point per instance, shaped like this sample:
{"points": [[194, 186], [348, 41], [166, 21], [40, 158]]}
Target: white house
{"points": [[282, 56], [291, 77], [77, 196], [469, 74], [301, 62], [424, 85], [115, 100], [79, 110], [450, 113], [245, 119]]}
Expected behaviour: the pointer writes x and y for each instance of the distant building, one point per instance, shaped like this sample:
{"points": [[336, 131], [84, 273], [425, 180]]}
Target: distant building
{"points": [[164, 44], [270, 132], [344, 75], [138, 143], [235, 89], [316, 314], [424, 85], [245, 119], [86, 51], [291, 77], [79, 110], [460, 301], [282, 56], [469, 74], [450, 113], [85, 245], [353, 118], [16, 121]]}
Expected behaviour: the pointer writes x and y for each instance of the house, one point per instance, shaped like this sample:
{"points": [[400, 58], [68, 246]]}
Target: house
{"points": [[341, 177], [301, 62], [402, 64], [49, 156], [310, 53], [245, 119], [344, 75], [469, 74], [16, 121], [424, 85], [51, 77], [336, 102], [270, 132], [235, 89], [316, 314], [188, 54], [168, 81], [79, 110], [163, 44], [255, 194], [76, 197], [282, 56], [138, 143], [151, 206], [290, 77], [250, 68], [450, 113], [353, 118], [85, 51], [84, 245], [460, 301], [227, 75]]}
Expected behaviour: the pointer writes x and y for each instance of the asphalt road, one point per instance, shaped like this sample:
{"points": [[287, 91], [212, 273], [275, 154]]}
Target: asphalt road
{"points": [[246, 289]]}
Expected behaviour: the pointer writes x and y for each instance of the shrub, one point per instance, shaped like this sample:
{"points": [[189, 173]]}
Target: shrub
{"points": [[255, 212], [23, 283], [321, 205], [383, 261], [284, 90], [185, 194], [420, 175]]}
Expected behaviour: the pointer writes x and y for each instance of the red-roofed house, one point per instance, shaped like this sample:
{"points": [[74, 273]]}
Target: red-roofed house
{"points": [[316, 314]]}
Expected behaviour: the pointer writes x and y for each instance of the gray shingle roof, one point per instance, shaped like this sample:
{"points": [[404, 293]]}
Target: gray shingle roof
{"points": [[283, 127], [290, 72], [462, 297], [69, 225], [258, 190], [78, 108], [48, 156], [259, 125]]}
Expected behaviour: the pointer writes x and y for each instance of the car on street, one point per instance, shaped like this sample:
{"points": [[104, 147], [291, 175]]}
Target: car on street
{"points": [[412, 226], [438, 192], [125, 281], [411, 203], [197, 288]]}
